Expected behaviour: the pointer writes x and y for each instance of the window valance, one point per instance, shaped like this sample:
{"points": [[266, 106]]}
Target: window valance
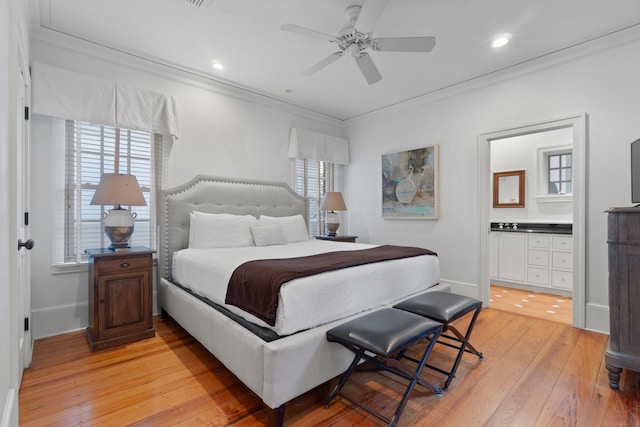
{"points": [[69, 95], [306, 144]]}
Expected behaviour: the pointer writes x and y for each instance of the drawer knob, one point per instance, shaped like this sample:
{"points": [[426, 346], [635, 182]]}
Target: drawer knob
{"points": [[124, 265]]}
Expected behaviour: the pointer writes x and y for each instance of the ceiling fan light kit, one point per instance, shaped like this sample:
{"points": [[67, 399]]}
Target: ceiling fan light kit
{"points": [[356, 41]]}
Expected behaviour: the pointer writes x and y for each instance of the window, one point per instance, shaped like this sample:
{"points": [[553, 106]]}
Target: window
{"points": [[559, 178], [555, 170], [89, 151], [313, 179]]}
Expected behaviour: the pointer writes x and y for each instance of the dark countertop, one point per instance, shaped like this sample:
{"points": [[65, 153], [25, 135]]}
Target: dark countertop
{"points": [[534, 227]]}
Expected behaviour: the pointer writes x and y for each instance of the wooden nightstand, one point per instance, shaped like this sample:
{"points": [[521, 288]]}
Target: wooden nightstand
{"points": [[120, 296], [350, 239]]}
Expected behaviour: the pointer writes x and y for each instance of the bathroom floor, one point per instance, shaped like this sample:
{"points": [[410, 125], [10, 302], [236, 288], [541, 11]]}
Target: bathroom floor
{"points": [[534, 304]]}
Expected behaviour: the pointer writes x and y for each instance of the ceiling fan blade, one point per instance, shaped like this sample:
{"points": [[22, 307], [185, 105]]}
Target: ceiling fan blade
{"points": [[369, 14], [368, 68], [307, 32], [404, 44], [320, 65]]}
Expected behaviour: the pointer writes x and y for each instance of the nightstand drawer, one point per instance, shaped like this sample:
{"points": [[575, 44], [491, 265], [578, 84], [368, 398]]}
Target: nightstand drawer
{"points": [[109, 266]]}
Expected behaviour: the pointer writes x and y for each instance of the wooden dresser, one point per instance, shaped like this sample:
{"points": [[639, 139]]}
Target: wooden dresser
{"points": [[120, 296], [623, 350]]}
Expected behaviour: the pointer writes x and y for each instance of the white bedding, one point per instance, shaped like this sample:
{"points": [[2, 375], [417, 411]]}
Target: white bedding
{"points": [[320, 299]]}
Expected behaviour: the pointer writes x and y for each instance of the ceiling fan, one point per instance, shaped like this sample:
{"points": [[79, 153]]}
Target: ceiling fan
{"points": [[355, 38]]}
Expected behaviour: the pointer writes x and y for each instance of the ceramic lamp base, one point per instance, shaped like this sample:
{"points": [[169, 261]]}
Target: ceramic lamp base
{"points": [[333, 223], [118, 226]]}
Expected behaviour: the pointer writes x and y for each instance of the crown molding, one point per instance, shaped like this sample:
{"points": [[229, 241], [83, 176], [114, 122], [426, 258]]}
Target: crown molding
{"points": [[584, 49]]}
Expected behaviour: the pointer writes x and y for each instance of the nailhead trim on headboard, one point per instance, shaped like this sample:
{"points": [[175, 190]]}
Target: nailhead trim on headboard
{"points": [[219, 195]]}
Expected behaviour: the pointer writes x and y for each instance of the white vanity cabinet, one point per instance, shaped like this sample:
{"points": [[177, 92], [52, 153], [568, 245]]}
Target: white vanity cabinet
{"points": [[562, 262], [507, 256], [535, 261]]}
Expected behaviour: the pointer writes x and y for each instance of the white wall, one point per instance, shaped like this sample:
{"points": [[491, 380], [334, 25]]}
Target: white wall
{"points": [[222, 132], [602, 83], [521, 153]]}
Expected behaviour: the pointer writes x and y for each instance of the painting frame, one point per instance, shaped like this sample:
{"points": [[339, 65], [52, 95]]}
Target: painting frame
{"points": [[410, 187]]}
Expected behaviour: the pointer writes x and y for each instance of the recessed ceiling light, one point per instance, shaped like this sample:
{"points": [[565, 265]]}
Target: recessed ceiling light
{"points": [[501, 40], [217, 65]]}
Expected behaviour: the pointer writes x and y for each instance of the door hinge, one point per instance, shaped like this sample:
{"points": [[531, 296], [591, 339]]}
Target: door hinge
{"points": [[26, 218], [26, 324], [26, 113]]}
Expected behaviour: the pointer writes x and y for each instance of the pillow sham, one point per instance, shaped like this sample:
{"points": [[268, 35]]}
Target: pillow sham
{"points": [[294, 228], [208, 230], [267, 233]]}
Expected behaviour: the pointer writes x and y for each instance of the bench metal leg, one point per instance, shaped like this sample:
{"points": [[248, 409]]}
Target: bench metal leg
{"points": [[390, 364], [465, 346]]}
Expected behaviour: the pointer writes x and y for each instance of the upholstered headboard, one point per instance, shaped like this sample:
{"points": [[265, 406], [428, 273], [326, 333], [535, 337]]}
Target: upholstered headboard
{"points": [[218, 195]]}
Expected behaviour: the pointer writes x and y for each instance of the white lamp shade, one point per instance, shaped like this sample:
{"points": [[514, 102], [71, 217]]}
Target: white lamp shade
{"points": [[118, 189], [333, 201]]}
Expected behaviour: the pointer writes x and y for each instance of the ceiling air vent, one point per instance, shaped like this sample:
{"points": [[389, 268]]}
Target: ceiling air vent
{"points": [[199, 4]]}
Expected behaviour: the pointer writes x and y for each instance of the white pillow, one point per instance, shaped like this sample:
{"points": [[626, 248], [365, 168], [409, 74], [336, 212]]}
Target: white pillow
{"points": [[267, 233], [294, 228], [208, 230]]}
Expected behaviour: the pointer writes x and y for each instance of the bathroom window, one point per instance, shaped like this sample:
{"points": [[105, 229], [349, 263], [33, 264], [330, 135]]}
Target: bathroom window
{"points": [[555, 174], [559, 173]]}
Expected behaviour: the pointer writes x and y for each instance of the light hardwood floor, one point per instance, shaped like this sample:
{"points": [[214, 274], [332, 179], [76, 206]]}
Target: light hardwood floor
{"points": [[535, 373]]}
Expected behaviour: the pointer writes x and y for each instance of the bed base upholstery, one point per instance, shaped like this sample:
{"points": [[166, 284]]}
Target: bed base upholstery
{"points": [[277, 371]]}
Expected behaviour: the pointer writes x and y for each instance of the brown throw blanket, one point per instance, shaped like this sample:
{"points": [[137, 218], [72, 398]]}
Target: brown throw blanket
{"points": [[254, 285]]}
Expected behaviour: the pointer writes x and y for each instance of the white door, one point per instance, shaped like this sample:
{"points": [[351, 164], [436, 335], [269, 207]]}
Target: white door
{"points": [[23, 238]]}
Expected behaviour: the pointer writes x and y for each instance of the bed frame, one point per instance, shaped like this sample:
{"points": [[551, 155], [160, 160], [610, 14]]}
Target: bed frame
{"points": [[276, 371]]}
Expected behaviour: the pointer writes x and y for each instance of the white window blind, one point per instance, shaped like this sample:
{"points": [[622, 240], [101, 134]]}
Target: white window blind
{"points": [[313, 179], [91, 150]]}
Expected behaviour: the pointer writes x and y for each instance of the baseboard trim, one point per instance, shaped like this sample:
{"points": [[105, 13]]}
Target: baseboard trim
{"points": [[51, 321], [467, 289], [10, 413], [597, 318]]}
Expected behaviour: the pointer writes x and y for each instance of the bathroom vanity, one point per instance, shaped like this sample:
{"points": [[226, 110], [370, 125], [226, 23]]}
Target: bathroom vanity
{"points": [[532, 256]]}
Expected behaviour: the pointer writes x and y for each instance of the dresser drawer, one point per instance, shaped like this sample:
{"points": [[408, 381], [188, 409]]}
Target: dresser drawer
{"points": [[562, 243], [562, 279], [538, 241], [562, 260], [120, 265], [538, 257], [539, 276]]}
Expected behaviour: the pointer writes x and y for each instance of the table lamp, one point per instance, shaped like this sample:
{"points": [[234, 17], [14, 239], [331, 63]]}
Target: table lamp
{"points": [[332, 202], [118, 189]]}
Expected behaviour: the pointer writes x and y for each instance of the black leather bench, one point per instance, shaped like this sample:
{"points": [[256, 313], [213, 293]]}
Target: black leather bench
{"points": [[380, 338], [445, 307]]}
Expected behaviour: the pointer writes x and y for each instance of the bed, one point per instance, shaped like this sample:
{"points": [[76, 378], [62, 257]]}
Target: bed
{"points": [[281, 361]]}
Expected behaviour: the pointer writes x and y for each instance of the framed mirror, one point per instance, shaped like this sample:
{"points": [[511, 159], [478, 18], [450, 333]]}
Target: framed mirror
{"points": [[508, 189]]}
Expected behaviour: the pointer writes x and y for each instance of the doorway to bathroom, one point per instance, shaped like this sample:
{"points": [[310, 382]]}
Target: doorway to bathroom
{"points": [[531, 182], [531, 216]]}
